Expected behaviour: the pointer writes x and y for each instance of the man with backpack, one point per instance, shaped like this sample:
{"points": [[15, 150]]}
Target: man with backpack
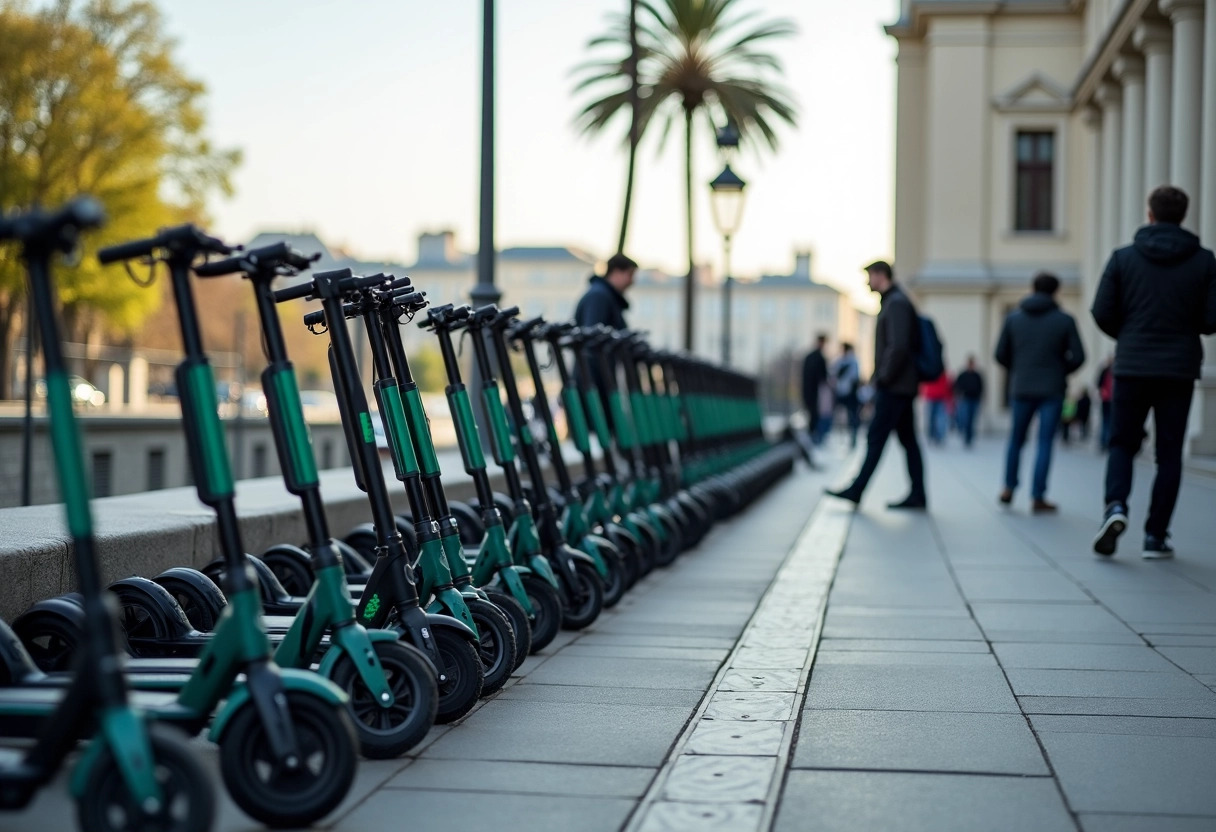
{"points": [[847, 375], [899, 347], [1040, 346]]}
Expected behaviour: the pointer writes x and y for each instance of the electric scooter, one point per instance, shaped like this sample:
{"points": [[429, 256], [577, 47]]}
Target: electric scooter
{"points": [[132, 775], [390, 597]]}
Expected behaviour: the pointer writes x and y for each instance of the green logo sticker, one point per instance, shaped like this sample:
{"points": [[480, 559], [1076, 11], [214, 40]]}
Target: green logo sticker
{"points": [[365, 420], [373, 607]]}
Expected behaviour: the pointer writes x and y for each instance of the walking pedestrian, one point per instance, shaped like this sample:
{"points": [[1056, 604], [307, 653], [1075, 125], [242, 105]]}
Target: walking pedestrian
{"points": [[1106, 395], [1156, 297], [937, 394], [1040, 346], [814, 376], [896, 338], [846, 374], [968, 393], [1084, 404]]}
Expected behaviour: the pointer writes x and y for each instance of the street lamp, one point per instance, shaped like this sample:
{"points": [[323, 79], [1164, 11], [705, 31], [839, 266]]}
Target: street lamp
{"points": [[726, 199]]}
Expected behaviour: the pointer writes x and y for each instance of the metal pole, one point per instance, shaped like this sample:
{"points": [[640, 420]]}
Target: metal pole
{"points": [[485, 292], [27, 424], [726, 309], [238, 427]]}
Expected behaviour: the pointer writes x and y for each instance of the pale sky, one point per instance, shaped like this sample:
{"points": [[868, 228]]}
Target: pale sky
{"points": [[361, 121]]}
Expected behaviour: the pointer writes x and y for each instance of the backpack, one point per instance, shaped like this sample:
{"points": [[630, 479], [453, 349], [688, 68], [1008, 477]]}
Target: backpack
{"points": [[929, 361]]}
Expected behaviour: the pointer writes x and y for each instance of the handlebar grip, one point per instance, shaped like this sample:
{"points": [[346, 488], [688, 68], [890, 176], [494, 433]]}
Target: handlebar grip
{"points": [[216, 268], [126, 251], [355, 282], [314, 318], [300, 290], [400, 283]]}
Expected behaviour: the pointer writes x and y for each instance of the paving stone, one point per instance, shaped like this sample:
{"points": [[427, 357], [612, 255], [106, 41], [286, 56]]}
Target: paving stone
{"points": [[720, 779], [1202, 707], [909, 688], [581, 694], [893, 627], [423, 811], [761, 739], [957, 610], [1080, 657], [1196, 608], [906, 657], [624, 735], [1011, 585], [670, 816], [609, 651], [524, 778], [911, 741], [1096, 822], [566, 669], [896, 645], [1032, 682], [1136, 774], [777, 639], [761, 680], [771, 657], [1076, 623], [589, 639], [840, 801], [1128, 725], [1175, 640], [1192, 659], [731, 705]]}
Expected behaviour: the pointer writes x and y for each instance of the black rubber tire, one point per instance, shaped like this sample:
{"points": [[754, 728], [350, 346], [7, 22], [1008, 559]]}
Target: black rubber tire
{"points": [[468, 520], [546, 619], [672, 543], [461, 688], [50, 639], [615, 584], [514, 612], [648, 551], [496, 645], [200, 599], [294, 574], [326, 736], [591, 593], [387, 733], [363, 540], [188, 790], [628, 546]]}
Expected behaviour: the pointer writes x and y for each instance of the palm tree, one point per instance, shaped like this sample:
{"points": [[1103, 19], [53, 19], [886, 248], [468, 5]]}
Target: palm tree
{"points": [[693, 57]]}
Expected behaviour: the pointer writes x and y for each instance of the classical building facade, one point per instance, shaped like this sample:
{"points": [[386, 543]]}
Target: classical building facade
{"points": [[1029, 133]]}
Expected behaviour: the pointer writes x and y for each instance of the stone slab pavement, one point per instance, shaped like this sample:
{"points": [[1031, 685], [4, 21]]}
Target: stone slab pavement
{"points": [[809, 667]]}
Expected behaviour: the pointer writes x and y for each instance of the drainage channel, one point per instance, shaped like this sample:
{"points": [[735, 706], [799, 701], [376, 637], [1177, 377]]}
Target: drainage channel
{"points": [[726, 769]]}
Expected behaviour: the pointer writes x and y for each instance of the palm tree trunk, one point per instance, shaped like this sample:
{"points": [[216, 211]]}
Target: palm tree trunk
{"points": [[689, 286], [633, 120]]}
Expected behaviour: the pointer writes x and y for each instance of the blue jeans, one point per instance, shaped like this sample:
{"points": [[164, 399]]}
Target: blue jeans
{"points": [[965, 411], [937, 421], [1024, 410]]}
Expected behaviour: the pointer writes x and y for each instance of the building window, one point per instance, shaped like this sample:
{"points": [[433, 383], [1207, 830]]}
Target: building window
{"points": [[156, 469], [259, 460], [327, 454], [1036, 156], [103, 473]]}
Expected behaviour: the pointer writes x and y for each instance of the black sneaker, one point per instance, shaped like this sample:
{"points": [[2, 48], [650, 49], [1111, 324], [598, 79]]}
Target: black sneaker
{"points": [[1157, 548], [1113, 524]]}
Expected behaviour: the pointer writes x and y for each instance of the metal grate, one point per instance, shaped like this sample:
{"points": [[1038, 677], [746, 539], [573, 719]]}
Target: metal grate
{"points": [[103, 473], [259, 460], [156, 469]]}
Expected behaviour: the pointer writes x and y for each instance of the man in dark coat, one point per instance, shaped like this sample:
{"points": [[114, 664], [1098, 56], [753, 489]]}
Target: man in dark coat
{"points": [[1156, 297], [1040, 346], [604, 303], [968, 394], [814, 376], [896, 338]]}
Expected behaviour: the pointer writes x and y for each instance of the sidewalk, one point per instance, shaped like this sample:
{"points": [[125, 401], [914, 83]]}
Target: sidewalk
{"points": [[969, 669]]}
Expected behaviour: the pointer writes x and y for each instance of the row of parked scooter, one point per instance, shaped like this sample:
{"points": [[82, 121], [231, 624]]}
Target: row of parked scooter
{"points": [[312, 654]]}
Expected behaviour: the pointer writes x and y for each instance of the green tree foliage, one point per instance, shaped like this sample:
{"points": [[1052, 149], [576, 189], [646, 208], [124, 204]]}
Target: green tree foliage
{"points": [[696, 58], [91, 101]]}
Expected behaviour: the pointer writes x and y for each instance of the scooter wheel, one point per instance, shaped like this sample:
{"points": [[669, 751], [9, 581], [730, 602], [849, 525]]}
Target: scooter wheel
{"points": [[589, 592], [628, 546], [270, 793], [472, 530], [50, 631], [187, 789], [546, 617], [293, 572], [496, 644], [460, 687], [616, 582], [200, 599], [385, 733], [515, 613], [672, 542]]}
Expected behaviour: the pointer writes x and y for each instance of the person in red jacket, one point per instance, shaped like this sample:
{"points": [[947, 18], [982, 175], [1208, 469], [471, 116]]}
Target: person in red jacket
{"points": [[938, 394]]}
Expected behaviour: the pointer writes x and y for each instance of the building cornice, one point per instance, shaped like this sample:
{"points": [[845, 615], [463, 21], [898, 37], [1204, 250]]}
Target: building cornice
{"points": [[968, 276], [1059, 100], [1098, 64], [915, 24]]}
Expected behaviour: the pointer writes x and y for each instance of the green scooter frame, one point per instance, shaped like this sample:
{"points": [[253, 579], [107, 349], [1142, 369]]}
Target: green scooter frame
{"points": [[392, 711], [131, 774], [276, 725]]}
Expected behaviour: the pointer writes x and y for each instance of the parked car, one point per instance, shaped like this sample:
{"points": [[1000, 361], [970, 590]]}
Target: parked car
{"points": [[83, 391]]}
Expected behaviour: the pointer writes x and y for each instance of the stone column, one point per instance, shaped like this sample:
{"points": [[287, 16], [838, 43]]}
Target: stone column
{"points": [[1095, 256], [1187, 104], [1154, 40], [1205, 442], [1129, 69], [1110, 98]]}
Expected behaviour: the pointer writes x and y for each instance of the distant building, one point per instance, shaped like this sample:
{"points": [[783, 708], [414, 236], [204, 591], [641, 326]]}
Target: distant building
{"points": [[1028, 135]]}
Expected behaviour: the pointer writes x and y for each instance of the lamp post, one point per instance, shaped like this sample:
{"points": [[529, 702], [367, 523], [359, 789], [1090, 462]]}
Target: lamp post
{"points": [[485, 292], [726, 199]]}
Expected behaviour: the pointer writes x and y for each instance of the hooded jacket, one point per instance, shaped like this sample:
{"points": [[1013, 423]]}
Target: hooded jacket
{"points": [[1040, 346], [895, 342], [601, 304], [1156, 297]]}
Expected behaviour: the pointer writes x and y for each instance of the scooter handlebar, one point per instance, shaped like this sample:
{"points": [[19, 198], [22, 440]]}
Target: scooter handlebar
{"points": [[272, 258], [446, 316], [182, 239], [59, 227]]}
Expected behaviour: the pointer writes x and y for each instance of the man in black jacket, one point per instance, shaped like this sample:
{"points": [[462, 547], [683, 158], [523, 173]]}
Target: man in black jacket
{"points": [[1040, 346], [896, 338], [814, 376], [604, 301], [1156, 297], [968, 394]]}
